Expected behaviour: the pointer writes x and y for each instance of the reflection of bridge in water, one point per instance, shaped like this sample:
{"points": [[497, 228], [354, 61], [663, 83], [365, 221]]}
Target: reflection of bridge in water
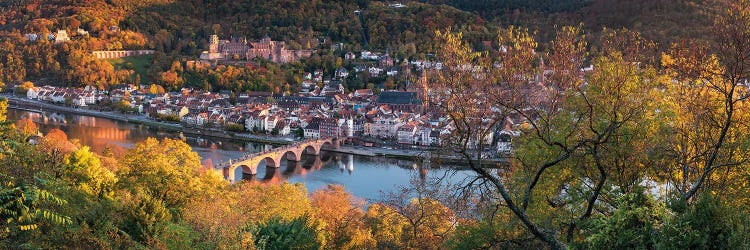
{"points": [[272, 159], [278, 175]]}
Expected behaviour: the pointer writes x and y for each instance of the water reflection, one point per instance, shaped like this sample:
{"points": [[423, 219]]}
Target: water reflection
{"points": [[372, 175], [99, 133]]}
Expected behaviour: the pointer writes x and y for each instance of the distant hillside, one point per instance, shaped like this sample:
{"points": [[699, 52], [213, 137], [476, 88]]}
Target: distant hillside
{"points": [[664, 21], [492, 8], [184, 26]]}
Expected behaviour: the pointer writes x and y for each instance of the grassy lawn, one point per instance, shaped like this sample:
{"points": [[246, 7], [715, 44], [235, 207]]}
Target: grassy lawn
{"points": [[139, 64]]}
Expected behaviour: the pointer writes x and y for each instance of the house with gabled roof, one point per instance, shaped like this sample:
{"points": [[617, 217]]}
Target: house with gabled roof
{"points": [[312, 130]]}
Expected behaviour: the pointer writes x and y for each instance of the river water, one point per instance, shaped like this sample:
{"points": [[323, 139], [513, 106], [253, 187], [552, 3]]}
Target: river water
{"points": [[365, 177]]}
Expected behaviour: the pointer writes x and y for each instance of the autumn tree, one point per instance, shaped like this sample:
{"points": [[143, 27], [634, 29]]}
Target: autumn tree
{"points": [[148, 163], [707, 101], [88, 174], [26, 126], [342, 215], [574, 126], [425, 221]]}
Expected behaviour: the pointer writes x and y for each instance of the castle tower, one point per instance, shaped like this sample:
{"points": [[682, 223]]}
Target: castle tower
{"points": [[214, 44]]}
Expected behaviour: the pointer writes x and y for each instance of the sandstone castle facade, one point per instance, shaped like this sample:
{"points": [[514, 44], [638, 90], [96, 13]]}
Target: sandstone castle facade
{"points": [[236, 48]]}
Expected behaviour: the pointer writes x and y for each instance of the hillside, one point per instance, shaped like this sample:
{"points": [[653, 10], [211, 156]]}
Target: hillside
{"points": [[191, 22], [302, 23], [664, 21], [179, 30]]}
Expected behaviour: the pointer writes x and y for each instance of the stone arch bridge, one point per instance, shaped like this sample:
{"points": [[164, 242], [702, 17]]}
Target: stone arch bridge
{"points": [[274, 157]]}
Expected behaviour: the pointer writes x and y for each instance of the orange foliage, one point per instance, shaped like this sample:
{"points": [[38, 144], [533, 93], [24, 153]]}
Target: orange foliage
{"points": [[26, 126], [57, 141], [342, 215]]}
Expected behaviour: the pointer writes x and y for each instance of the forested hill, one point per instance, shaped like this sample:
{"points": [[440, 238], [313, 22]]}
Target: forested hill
{"points": [[179, 29], [490, 8], [664, 21], [186, 25]]}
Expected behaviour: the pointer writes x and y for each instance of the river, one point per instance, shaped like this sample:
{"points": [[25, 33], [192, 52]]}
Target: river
{"points": [[365, 177]]}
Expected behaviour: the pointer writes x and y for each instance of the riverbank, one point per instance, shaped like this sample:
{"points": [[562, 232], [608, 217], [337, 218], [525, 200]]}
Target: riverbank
{"points": [[37, 106], [406, 154]]}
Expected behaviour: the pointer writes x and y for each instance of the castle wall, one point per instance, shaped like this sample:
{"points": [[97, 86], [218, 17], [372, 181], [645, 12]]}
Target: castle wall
{"points": [[104, 54]]}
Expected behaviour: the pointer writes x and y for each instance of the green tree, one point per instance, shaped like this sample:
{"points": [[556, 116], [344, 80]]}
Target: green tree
{"points": [[26, 206], [146, 217], [633, 225], [295, 234], [235, 128], [87, 173], [709, 224]]}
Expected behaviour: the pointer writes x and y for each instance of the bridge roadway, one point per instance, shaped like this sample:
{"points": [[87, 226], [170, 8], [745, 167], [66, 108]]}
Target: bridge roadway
{"points": [[274, 157]]}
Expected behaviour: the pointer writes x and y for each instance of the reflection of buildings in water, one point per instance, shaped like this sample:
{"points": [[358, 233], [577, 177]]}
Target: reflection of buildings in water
{"points": [[36, 117], [87, 121], [251, 147], [340, 163], [112, 134], [53, 118], [350, 164], [389, 161], [201, 142], [407, 164]]}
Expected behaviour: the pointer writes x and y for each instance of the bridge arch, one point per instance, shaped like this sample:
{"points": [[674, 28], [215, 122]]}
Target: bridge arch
{"points": [[291, 155], [270, 162], [311, 149], [231, 172]]}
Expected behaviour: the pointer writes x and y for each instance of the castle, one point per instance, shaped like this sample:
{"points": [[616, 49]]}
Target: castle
{"points": [[235, 48]]}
